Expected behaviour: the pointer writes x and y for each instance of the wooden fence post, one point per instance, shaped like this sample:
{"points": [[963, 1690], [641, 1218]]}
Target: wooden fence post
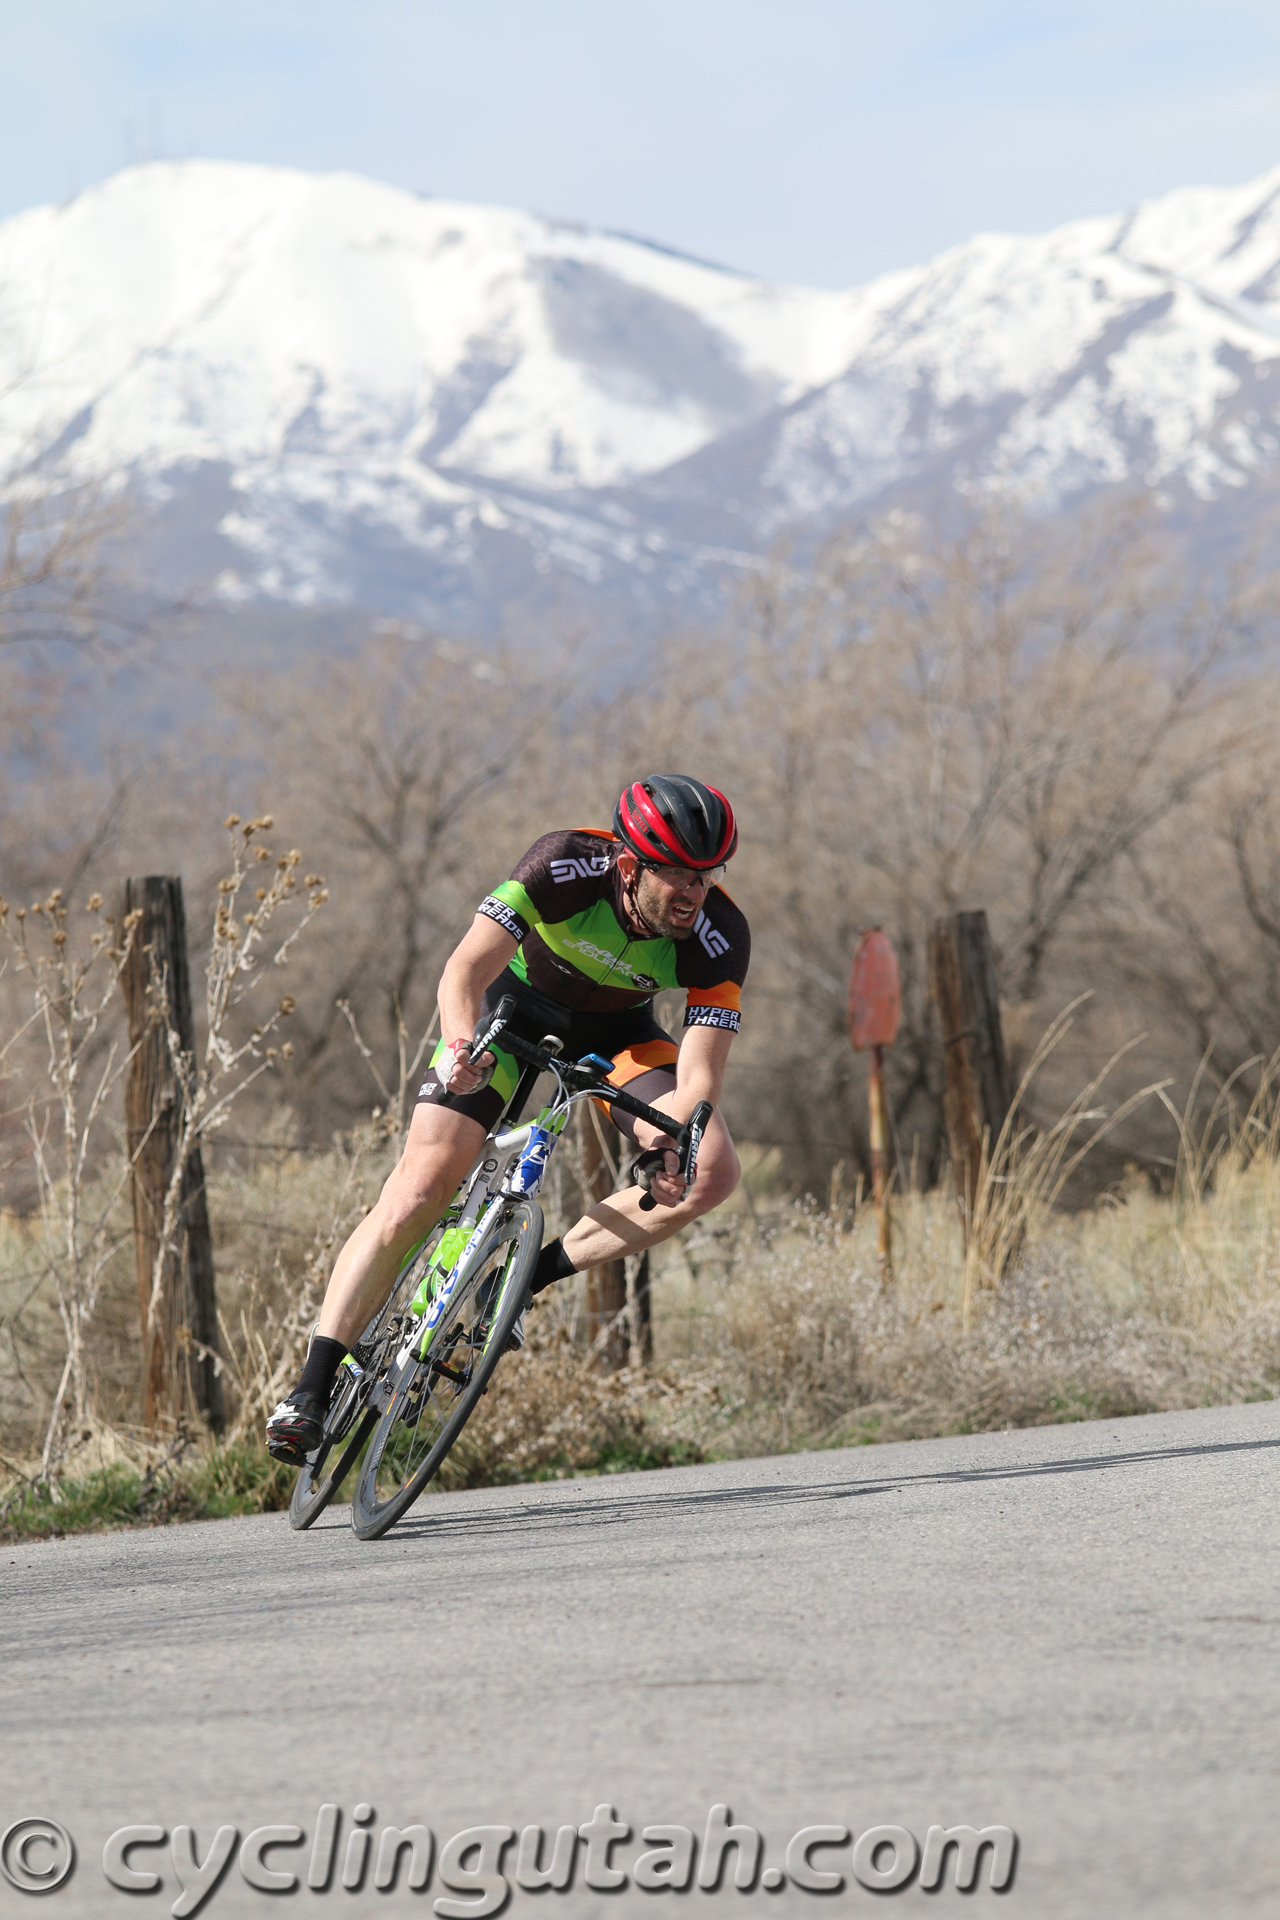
{"points": [[607, 1283], [640, 1303], [180, 1358], [962, 979], [875, 1008]]}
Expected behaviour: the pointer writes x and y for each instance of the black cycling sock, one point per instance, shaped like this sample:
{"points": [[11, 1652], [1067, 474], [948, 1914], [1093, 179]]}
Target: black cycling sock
{"points": [[323, 1361], [553, 1264]]}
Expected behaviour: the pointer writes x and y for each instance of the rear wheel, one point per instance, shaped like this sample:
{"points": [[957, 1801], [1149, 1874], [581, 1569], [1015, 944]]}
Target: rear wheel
{"points": [[353, 1413], [324, 1471], [433, 1397]]}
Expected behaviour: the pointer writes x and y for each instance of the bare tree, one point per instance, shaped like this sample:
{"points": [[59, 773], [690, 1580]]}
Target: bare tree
{"points": [[64, 1104], [58, 581], [422, 769], [911, 727]]}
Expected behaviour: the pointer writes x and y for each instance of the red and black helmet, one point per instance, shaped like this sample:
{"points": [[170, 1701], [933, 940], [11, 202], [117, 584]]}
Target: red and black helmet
{"points": [[670, 820]]}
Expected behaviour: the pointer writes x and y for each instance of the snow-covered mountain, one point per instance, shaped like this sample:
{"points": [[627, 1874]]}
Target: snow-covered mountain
{"points": [[326, 390]]}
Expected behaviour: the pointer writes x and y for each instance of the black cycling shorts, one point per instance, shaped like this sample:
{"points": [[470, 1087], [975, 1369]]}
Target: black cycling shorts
{"points": [[643, 1053]]}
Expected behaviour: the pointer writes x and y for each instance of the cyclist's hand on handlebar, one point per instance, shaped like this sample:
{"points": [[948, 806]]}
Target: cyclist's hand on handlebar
{"points": [[667, 1188], [653, 1168], [664, 1182], [459, 1073]]}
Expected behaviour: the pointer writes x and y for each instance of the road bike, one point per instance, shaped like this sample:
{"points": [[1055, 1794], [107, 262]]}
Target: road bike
{"points": [[417, 1373]]}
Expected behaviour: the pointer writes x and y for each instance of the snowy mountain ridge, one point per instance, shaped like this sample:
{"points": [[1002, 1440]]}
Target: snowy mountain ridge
{"points": [[328, 390]]}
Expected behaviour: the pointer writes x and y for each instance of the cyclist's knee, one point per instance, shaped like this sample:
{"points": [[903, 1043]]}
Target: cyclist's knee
{"points": [[412, 1194]]}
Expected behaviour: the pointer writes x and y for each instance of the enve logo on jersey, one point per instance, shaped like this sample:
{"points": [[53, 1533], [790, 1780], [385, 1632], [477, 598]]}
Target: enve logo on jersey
{"points": [[714, 942], [580, 869]]}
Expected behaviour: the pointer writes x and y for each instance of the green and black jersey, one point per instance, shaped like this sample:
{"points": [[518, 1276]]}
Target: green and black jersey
{"points": [[564, 905]]}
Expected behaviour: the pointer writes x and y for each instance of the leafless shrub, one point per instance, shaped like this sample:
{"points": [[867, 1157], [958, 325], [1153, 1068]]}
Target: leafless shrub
{"points": [[233, 1060], [1022, 1174], [266, 1332], [271, 1309], [68, 1070], [72, 985]]}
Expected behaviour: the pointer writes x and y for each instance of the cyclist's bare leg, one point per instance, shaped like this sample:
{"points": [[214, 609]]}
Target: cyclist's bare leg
{"points": [[439, 1152], [616, 1226]]}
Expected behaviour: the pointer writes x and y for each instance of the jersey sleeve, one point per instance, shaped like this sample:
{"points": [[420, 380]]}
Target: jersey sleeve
{"points": [[511, 907], [712, 965], [559, 875]]}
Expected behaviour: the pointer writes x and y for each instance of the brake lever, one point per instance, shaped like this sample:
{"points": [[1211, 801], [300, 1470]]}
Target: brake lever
{"points": [[484, 1037], [688, 1141]]}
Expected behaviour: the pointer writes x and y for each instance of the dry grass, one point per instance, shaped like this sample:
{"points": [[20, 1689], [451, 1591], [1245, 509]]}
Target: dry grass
{"points": [[773, 1331], [772, 1328], [277, 1216], [1142, 1304], [807, 1349]]}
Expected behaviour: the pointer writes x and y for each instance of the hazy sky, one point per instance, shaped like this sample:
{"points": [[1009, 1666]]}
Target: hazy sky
{"points": [[812, 140]]}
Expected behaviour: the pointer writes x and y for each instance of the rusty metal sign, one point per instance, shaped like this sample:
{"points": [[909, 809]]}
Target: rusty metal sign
{"points": [[875, 992]]}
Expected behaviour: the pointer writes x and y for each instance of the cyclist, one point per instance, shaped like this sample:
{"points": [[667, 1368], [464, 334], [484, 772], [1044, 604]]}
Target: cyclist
{"points": [[587, 929]]}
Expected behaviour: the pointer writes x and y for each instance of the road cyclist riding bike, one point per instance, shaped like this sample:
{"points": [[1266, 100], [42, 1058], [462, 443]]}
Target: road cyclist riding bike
{"points": [[556, 974]]}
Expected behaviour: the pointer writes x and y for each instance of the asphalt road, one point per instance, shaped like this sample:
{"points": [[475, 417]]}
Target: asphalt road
{"points": [[1072, 1632]]}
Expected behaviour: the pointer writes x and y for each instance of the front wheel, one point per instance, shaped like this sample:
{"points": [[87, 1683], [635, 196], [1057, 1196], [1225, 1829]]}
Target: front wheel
{"points": [[434, 1396]]}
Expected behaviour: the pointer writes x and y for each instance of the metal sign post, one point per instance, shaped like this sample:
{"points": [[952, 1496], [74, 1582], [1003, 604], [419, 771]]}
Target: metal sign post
{"points": [[875, 1008]]}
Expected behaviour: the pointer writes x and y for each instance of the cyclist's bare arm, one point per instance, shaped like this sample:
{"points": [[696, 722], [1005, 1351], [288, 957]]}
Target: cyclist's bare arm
{"points": [[475, 963], [703, 1056], [704, 1053]]}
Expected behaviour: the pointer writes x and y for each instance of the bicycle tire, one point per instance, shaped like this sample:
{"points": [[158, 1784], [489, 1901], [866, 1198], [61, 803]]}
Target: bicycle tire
{"points": [[425, 1416], [349, 1412], [311, 1495]]}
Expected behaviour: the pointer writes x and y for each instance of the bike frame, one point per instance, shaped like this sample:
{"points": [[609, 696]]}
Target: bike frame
{"points": [[493, 1209], [500, 1164]]}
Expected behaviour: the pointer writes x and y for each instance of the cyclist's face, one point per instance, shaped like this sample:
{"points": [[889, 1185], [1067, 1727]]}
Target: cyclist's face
{"points": [[671, 898]]}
